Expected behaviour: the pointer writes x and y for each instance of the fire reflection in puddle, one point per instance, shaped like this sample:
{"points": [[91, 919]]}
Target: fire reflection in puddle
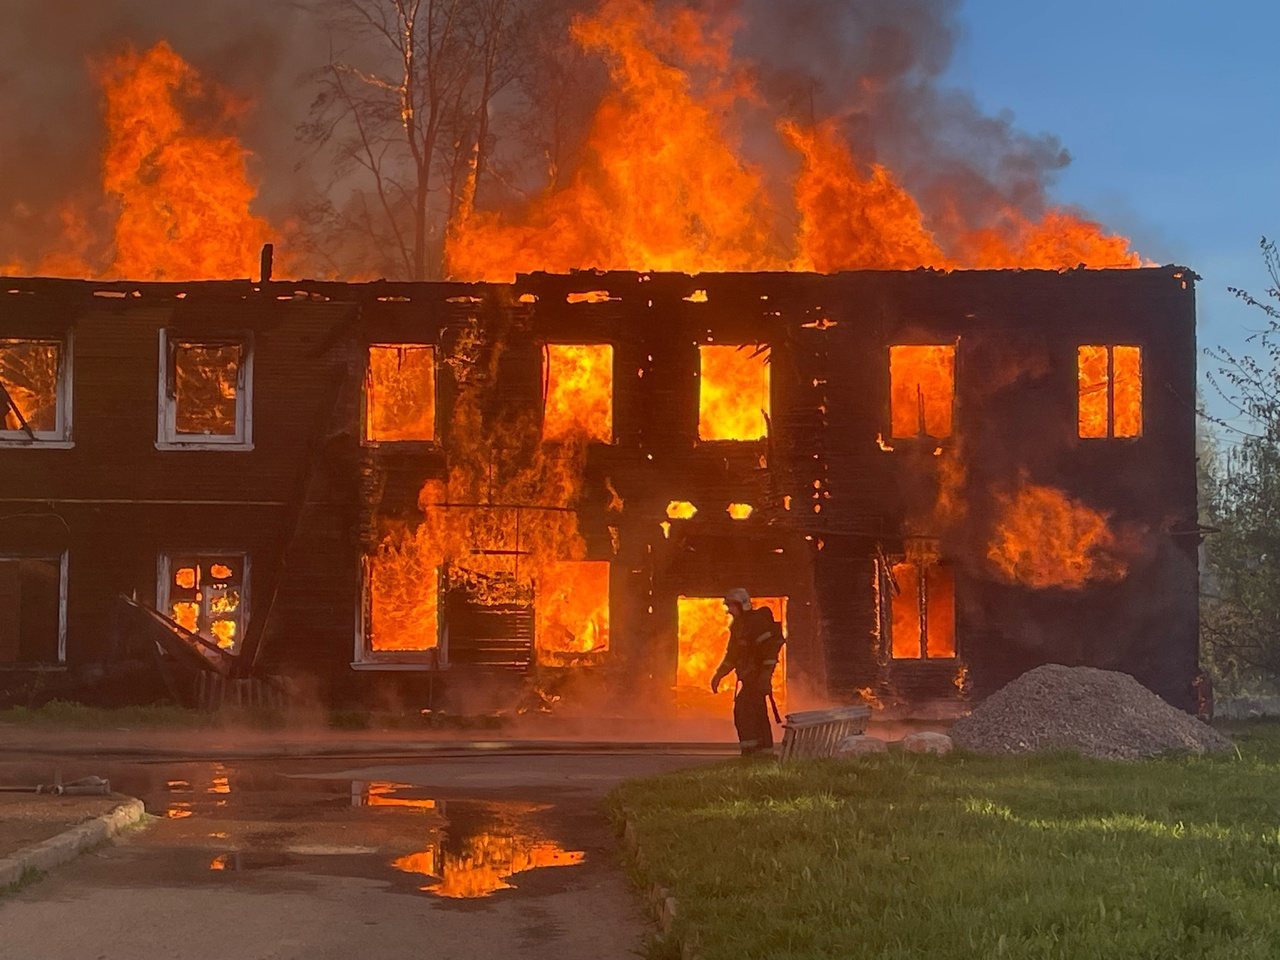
{"points": [[474, 847]]}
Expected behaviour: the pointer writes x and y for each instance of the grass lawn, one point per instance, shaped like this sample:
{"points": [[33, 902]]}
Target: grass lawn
{"points": [[971, 857]]}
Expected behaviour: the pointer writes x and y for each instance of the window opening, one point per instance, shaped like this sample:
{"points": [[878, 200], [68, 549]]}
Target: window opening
{"points": [[922, 384], [206, 386], [733, 392], [206, 594], [34, 390], [923, 619], [1109, 380], [32, 610], [578, 392], [400, 393]]}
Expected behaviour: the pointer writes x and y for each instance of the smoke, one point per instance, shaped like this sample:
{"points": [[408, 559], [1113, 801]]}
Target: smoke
{"points": [[877, 68]]}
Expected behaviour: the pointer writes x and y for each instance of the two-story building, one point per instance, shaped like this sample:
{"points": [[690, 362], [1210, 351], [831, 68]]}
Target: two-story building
{"points": [[400, 492]]}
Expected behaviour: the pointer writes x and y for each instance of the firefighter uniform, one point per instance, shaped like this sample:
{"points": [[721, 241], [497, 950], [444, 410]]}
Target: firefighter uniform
{"points": [[755, 641]]}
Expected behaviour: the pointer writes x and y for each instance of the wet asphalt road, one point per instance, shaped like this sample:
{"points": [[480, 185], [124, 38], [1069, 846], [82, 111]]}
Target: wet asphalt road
{"points": [[446, 859]]}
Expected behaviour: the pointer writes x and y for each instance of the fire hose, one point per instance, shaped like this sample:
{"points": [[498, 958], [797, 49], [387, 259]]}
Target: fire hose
{"points": [[84, 787]]}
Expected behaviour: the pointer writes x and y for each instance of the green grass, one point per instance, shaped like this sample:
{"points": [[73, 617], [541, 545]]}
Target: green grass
{"points": [[29, 876], [902, 856]]}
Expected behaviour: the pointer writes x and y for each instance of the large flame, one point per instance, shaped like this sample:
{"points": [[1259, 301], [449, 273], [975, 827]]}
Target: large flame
{"points": [[733, 392], [702, 636], [184, 193], [1043, 538], [665, 185], [174, 178], [579, 392], [501, 526]]}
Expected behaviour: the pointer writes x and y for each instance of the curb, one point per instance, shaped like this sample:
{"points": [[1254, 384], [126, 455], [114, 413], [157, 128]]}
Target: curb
{"points": [[70, 843], [662, 903]]}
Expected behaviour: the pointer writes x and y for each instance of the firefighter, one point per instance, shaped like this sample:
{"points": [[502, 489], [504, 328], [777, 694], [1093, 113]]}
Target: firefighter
{"points": [[755, 640]]}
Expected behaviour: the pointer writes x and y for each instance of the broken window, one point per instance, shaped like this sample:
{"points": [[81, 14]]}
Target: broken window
{"points": [[1110, 391], [400, 393], [923, 608], [35, 391], [733, 392], [207, 594], [572, 611], [205, 396], [578, 392], [402, 600], [702, 634], [922, 389], [33, 610]]}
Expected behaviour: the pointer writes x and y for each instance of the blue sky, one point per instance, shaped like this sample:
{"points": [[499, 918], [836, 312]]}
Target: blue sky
{"points": [[1171, 112]]}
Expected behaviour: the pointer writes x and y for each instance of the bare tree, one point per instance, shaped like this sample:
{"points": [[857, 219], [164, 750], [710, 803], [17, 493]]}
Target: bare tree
{"points": [[408, 92]]}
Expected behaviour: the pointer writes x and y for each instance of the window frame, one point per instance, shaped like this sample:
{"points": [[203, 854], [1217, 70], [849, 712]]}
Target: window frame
{"points": [[365, 440], [1110, 347], [164, 584], [544, 369], [63, 559], [364, 657], [60, 438], [167, 436]]}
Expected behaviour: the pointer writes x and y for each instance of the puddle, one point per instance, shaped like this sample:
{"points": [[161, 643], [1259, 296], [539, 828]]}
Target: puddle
{"points": [[474, 846], [453, 849]]}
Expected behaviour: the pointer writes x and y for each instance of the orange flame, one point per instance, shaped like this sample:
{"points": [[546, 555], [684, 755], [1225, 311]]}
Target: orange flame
{"points": [[174, 176], [183, 194], [573, 611], [400, 393], [665, 186], [484, 863], [579, 392], [1043, 539], [922, 390], [502, 527], [1110, 384], [733, 393], [702, 634]]}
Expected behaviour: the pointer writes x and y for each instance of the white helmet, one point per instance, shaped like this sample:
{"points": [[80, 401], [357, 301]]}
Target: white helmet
{"points": [[739, 596]]}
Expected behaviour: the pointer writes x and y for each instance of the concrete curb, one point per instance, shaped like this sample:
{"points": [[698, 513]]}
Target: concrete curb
{"points": [[70, 843], [661, 902]]}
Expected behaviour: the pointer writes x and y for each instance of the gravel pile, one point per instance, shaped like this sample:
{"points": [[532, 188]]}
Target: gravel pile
{"points": [[1097, 713]]}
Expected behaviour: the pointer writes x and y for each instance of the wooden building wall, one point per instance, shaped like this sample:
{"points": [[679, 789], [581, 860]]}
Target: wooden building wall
{"points": [[309, 499]]}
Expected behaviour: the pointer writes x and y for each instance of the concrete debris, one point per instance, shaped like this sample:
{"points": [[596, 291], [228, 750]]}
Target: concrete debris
{"points": [[1097, 713]]}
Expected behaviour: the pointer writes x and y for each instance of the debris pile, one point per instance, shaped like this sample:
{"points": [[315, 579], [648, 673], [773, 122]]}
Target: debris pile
{"points": [[1098, 713]]}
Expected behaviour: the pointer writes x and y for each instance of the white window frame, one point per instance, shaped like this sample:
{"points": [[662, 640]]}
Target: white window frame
{"points": [[58, 438], [365, 658], [167, 436], [435, 398], [63, 561], [164, 583]]}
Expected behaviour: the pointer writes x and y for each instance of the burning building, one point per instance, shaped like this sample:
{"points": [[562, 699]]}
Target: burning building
{"points": [[937, 479]]}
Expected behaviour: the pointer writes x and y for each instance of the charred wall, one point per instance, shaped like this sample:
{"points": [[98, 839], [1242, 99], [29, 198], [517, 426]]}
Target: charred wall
{"points": [[832, 505]]}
